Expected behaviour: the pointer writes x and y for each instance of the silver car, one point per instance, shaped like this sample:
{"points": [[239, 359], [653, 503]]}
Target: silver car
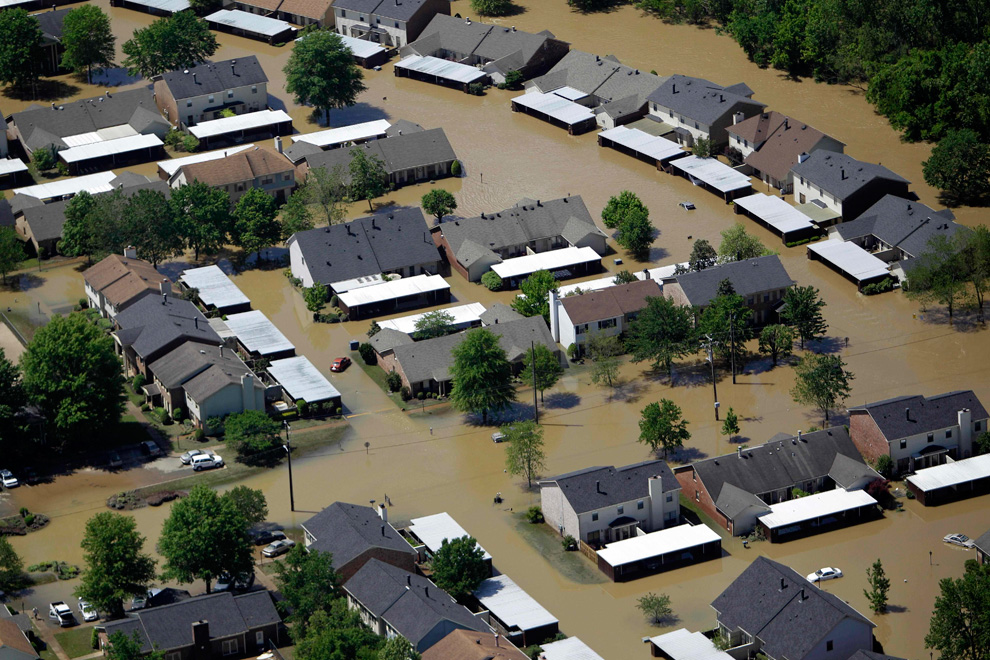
{"points": [[961, 540], [187, 457]]}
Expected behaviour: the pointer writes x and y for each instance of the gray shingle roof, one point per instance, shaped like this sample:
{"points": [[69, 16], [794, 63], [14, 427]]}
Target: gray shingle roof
{"points": [[732, 501], [366, 6], [387, 339], [50, 23], [170, 626], [748, 277], [399, 152], [790, 620], [902, 223], [6, 214], [615, 485], [983, 543], [926, 414], [870, 655], [842, 175], [496, 43], [215, 77], [700, 99], [348, 530], [499, 313], [400, 11], [216, 377], [411, 604], [151, 325], [781, 463], [392, 239]]}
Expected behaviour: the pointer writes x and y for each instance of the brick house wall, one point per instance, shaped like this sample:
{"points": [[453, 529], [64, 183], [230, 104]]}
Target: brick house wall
{"points": [[695, 490], [867, 437], [166, 102], [404, 560], [448, 253]]}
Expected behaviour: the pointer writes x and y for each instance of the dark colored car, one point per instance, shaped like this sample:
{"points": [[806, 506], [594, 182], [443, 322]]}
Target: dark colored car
{"points": [[340, 364], [264, 537]]}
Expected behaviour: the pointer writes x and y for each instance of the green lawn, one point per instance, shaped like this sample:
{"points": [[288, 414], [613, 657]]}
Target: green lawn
{"points": [[572, 565], [377, 374], [76, 642]]}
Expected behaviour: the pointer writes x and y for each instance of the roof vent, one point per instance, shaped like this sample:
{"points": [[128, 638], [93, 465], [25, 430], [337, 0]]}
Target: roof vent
{"points": [[783, 584], [185, 71], [513, 28]]}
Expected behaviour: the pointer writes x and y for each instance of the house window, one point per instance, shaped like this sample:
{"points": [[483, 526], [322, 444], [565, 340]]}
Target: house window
{"points": [[267, 181], [766, 297], [639, 505], [175, 655], [931, 437], [749, 301], [977, 426], [188, 104], [828, 645], [287, 177], [343, 13], [259, 638], [254, 89], [230, 93], [378, 20], [593, 537], [397, 24], [229, 646], [211, 98], [670, 497], [948, 433], [594, 517], [622, 510]]}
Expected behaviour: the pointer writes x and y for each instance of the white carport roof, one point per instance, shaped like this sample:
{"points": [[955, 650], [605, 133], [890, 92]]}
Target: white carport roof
{"points": [[513, 606], [551, 261], [301, 380], [643, 143], [242, 20], [12, 166], [571, 648], [849, 258], [344, 134], [814, 506], [683, 644], [434, 66], [409, 286], [462, 315], [654, 544], [556, 107], [172, 166], [569, 93], [257, 333], [775, 212], [245, 122], [434, 530], [109, 148], [712, 172], [91, 183], [214, 287], [163, 5], [952, 474], [360, 47]]}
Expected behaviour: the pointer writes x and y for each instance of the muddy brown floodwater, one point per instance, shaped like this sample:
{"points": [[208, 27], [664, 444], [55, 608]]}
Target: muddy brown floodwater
{"points": [[439, 462]]}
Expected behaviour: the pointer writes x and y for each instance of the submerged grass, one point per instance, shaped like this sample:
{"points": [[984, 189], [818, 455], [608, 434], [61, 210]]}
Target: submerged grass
{"points": [[572, 565]]}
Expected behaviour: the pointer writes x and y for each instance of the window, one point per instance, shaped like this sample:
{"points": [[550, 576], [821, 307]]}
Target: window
{"points": [[670, 497], [188, 104], [749, 301], [828, 645], [766, 297], [607, 323], [254, 89], [639, 505], [211, 98], [378, 20], [229, 646], [230, 93], [622, 510], [931, 437], [977, 426], [259, 638], [594, 517], [287, 176], [948, 433], [397, 24], [267, 181], [175, 655]]}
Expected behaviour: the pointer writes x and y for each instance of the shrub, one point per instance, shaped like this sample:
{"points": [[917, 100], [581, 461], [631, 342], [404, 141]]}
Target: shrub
{"points": [[334, 301], [421, 395], [178, 415], [94, 638], [215, 426], [803, 241], [873, 288], [302, 407], [492, 281], [477, 89], [228, 112], [138, 382], [24, 511], [513, 80], [569, 543], [199, 435], [190, 143], [29, 519], [338, 411], [572, 351], [404, 393], [455, 168], [393, 380], [367, 353], [534, 514], [884, 465], [83, 303], [62, 169], [44, 159]]}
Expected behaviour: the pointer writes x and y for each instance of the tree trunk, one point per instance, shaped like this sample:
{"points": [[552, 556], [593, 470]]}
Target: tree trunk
{"points": [[326, 113], [370, 207]]}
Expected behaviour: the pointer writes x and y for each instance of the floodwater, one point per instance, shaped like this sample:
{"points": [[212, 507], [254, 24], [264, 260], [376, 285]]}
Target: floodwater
{"points": [[441, 462]]}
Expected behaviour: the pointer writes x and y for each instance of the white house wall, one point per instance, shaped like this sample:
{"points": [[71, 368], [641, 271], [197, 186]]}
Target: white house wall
{"points": [[298, 265]]}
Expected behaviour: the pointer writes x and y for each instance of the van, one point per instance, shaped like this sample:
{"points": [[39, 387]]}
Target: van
{"points": [[206, 462]]}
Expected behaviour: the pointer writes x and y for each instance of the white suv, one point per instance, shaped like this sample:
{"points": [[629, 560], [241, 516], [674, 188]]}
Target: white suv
{"points": [[206, 462]]}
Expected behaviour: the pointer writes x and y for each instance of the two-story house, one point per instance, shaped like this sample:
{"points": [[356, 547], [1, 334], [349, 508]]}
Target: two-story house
{"points": [[603, 504], [698, 108], [843, 184], [918, 432], [211, 90], [392, 23], [117, 281], [50, 23], [575, 318], [771, 610], [257, 168]]}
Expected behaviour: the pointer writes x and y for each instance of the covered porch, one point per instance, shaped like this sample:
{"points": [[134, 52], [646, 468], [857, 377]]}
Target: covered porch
{"points": [[663, 550], [817, 513]]}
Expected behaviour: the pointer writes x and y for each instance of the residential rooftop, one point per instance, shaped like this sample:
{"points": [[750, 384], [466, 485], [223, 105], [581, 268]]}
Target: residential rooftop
{"points": [[842, 175], [904, 416], [214, 77], [596, 487]]}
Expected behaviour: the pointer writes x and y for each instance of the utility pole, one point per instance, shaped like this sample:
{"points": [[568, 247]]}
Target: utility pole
{"points": [[732, 339], [532, 359], [708, 343], [288, 452]]}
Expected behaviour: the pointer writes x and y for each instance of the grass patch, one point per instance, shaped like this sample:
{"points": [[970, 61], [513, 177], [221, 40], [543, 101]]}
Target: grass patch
{"points": [[130, 431], [377, 374], [76, 642], [572, 565], [136, 398]]}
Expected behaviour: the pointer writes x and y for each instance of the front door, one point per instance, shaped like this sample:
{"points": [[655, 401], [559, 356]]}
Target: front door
{"points": [[259, 639]]}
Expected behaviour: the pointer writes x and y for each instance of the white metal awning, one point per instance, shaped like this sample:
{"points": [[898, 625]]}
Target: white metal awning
{"points": [[850, 259], [242, 20], [434, 66], [12, 166], [665, 541], [360, 47], [163, 5], [571, 648], [651, 146], [551, 261], [555, 107], [952, 474], [110, 148], [301, 380], [172, 166], [393, 290], [434, 530], [463, 316], [91, 183], [214, 287], [774, 211], [513, 606], [257, 333], [712, 172], [246, 122], [345, 134], [815, 506], [356, 283], [569, 93], [685, 645]]}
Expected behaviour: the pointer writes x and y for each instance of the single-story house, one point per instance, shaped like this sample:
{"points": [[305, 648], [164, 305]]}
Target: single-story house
{"points": [[574, 319], [843, 184], [118, 281]]}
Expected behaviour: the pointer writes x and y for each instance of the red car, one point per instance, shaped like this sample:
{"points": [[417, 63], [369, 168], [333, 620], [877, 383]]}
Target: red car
{"points": [[340, 364]]}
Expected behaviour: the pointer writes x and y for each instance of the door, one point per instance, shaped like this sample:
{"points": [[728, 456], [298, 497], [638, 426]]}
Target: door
{"points": [[259, 639]]}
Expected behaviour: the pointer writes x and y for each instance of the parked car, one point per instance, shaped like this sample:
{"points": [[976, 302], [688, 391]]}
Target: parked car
{"points": [[114, 460], [687, 206], [239, 583], [206, 462], [138, 602], [8, 479], [961, 540], [151, 448], [498, 436], [340, 364], [87, 611], [277, 548], [187, 457], [60, 612], [822, 574], [266, 536]]}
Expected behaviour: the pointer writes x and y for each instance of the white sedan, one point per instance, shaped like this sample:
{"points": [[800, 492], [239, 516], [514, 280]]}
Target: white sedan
{"points": [[87, 611], [961, 540], [822, 574], [8, 479]]}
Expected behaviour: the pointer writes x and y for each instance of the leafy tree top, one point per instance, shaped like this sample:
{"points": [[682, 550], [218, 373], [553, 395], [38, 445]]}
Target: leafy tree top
{"points": [[321, 72], [459, 566]]}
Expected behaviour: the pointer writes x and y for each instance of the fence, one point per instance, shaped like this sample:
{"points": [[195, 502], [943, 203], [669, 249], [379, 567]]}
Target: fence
{"points": [[588, 551]]}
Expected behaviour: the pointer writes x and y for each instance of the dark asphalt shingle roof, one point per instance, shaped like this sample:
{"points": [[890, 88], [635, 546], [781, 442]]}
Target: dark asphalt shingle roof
{"points": [[870, 655], [983, 543], [392, 239], [748, 277], [615, 485], [926, 414], [487, 41], [840, 174], [50, 23], [700, 99], [398, 152], [401, 11], [387, 339], [6, 214], [150, 325], [790, 620], [902, 223], [186, 362], [215, 77], [348, 530], [499, 313]]}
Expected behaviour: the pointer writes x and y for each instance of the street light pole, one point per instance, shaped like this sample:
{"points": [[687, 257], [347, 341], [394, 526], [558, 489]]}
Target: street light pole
{"points": [[707, 344], [288, 452], [532, 362]]}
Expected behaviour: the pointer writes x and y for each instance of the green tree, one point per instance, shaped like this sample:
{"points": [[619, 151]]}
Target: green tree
{"points": [[624, 277], [730, 425], [433, 324], [604, 351], [938, 275], [327, 188], [535, 298], [45, 158], [79, 235], [619, 206], [121, 646], [250, 502], [636, 233], [116, 568], [11, 251], [776, 341], [438, 203], [71, 372], [315, 297], [703, 256], [482, 375], [204, 536], [547, 366], [398, 648], [369, 178], [821, 381], [321, 72], [661, 426], [255, 223], [960, 167], [205, 7], [662, 333], [492, 7], [879, 584], [704, 148], [252, 432], [803, 310], [459, 566], [373, 329], [202, 214], [174, 42], [960, 623], [726, 319], [20, 46], [492, 281], [152, 227], [738, 245], [88, 40], [983, 442], [655, 606], [12, 399], [974, 257], [308, 584], [514, 79], [11, 567], [294, 215], [338, 634], [524, 455]]}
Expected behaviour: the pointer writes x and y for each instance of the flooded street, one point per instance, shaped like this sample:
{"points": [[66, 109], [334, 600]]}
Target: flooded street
{"points": [[434, 461]]}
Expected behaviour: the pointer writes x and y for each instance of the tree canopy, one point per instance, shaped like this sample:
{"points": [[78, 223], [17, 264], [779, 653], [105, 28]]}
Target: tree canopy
{"points": [[174, 42], [11, 567], [250, 502], [152, 226], [938, 275], [369, 178], [636, 232], [337, 634], [12, 399], [960, 623], [438, 203], [116, 567], [492, 7], [294, 215], [88, 40], [252, 432], [433, 324], [202, 215], [726, 319], [661, 426], [960, 167], [20, 45], [738, 244], [703, 256], [256, 226], [547, 366], [619, 206], [604, 350], [327, 188], [662, 333], [821, 381], [803, 311], [482, 375], [321, 72], [776, 341], [459, 566], [308, 584], [11, 251], [524, 454], [536, 295]]}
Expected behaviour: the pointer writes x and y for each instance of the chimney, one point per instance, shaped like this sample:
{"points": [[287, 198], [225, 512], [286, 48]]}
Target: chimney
{"points": [[554, 316], [673, 88], [247, 391], [278, 143], [965, 419], [130, 252], [221, 351], [165, 286], [106, 93], [194, 78], [513, 28], [739, 451], [496, 640], [907, 414], [738, 117], [721, 98], [646, 274], [53, 105], [383, 512], [799, 434], [232, 71], [201, 640], [803, 157]]}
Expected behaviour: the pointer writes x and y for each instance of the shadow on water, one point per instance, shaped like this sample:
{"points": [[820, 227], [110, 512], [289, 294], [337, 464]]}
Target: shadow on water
{"points": [[275, 103], [562, 400], [113, 77], [828, 344], [44, 90], [897, 609], [685, 455], [963, 320], [28, 281], [355, 114]]}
